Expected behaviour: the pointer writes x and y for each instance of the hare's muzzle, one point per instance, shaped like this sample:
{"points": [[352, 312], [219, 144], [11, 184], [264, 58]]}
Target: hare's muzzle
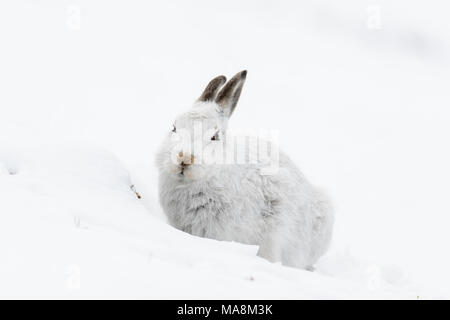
{"points": [[185, 159]]}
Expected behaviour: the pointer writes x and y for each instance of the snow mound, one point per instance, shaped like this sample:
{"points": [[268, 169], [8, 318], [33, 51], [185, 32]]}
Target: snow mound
{"points": [[72, 227]]}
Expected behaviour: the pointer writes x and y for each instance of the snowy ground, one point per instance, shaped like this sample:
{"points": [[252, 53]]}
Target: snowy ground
{"points": [[71, 228], [90, 87]]}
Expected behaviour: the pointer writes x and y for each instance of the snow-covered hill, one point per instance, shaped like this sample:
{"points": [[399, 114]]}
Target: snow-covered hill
{"points": [[71, 227]]}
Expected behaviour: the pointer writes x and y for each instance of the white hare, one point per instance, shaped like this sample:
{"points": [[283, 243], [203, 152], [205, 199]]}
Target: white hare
{"points": [[282, 213]]}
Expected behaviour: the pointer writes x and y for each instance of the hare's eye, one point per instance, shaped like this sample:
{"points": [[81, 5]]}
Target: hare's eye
{"points": [[174, 128], [215, 137]]}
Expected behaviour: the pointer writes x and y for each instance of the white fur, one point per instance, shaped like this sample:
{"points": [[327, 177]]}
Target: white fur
{"points": [[289, 219]]}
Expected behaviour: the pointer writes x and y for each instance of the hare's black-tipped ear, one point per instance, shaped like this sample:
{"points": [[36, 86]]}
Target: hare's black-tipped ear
{"points": [[228, 97], [211, 89]]}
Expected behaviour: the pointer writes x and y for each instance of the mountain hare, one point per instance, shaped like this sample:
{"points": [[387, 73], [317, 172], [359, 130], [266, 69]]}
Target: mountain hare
{"points": [[282, 213]]}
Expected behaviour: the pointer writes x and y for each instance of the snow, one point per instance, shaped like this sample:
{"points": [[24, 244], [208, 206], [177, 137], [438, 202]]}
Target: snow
{"points": [[71, 227], [89, 89]]}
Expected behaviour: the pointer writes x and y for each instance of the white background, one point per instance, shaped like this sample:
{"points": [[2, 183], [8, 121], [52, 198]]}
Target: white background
{"points": [[358, 90]]}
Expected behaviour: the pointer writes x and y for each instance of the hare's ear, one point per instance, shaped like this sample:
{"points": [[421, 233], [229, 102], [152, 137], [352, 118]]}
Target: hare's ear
{"points": [[211, 89], [228, 97]]}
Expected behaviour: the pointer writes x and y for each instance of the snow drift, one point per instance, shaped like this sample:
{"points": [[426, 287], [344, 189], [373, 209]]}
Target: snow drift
{"points": [[71, 227]]}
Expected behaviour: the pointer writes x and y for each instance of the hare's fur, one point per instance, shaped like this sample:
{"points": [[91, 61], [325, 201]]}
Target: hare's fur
{"points": [[282, 213]]}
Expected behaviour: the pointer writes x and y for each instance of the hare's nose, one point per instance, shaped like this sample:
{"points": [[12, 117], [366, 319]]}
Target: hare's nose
{"points": [[185, 158]]}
